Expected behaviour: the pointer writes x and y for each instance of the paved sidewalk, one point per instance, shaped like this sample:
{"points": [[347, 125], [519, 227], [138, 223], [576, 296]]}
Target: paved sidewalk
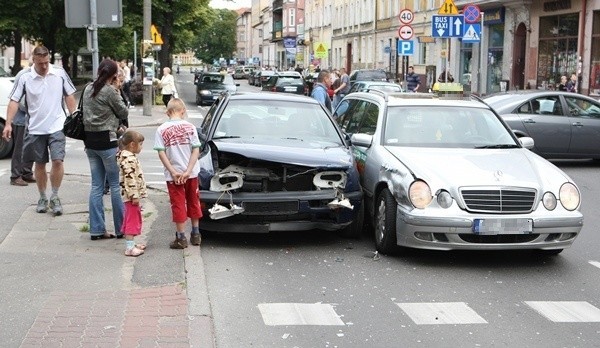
{"points": [[70, 291]]}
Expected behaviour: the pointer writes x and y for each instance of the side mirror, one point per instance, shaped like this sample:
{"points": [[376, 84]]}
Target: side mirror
{"points": [[361, 139], [527, 142]]}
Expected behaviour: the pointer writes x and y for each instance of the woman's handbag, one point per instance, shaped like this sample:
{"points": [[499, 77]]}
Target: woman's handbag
{"points": [[73, 127]]}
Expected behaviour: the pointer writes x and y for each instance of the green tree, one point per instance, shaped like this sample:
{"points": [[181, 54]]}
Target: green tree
{"points": [[218, 38]]}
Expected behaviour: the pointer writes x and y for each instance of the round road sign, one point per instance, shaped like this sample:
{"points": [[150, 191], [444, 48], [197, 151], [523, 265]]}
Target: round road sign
{"points": [[406, 16], [405, 32], [471, 13]]}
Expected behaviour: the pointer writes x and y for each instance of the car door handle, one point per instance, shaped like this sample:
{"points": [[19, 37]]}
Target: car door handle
{"points": [[576, 124], [529, 120]]}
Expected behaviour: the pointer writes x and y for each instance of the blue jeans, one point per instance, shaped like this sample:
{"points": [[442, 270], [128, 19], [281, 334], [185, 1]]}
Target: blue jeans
{"points": [[104, 167]]}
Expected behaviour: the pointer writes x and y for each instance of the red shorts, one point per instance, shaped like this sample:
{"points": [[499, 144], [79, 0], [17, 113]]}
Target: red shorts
{"points": [[132, 219], [185, 200]]}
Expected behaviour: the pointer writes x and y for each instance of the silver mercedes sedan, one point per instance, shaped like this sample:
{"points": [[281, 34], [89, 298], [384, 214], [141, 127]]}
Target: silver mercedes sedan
{"points": [[450, 174]]}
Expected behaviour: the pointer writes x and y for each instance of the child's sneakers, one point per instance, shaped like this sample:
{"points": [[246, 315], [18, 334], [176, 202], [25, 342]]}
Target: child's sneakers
{"points": [[195, 239], [179, 243], [135, 251]]}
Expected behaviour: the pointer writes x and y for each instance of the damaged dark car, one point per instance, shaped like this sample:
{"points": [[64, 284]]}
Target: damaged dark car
{"points": [[274, 162]]}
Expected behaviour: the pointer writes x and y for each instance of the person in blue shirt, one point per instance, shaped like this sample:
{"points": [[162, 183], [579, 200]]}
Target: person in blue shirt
{"points": [[319, 92]]}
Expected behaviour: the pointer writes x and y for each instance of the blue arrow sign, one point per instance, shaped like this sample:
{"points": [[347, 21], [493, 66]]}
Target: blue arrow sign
{"points": [[447, 26]]}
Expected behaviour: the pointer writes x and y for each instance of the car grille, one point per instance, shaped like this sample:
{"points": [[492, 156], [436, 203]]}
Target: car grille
{"points": [[513, 200], [499, 239]]}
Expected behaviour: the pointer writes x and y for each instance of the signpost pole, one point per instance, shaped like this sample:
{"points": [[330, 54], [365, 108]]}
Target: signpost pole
{"points": [[481, 57], [94, 29], [147, 93]]}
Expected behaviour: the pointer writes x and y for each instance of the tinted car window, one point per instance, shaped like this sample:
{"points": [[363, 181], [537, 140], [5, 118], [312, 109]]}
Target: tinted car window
{"points": [[352, 124], [369, 123], [547, 106], [582, 107]]}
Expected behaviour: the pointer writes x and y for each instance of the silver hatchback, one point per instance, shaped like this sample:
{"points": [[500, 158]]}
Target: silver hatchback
{"points": [[450, 174]]}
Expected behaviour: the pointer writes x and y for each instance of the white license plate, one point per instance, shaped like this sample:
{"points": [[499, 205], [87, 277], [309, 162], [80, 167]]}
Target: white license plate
{"points": [[502, 226], [290, 89]]}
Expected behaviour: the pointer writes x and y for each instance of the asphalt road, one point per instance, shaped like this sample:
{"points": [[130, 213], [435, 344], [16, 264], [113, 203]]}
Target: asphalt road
{"points": [[319, 290], [334, 293]]}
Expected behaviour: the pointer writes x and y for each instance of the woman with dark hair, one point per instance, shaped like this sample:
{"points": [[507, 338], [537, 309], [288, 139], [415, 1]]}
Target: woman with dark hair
{"points": [[103, 110]]}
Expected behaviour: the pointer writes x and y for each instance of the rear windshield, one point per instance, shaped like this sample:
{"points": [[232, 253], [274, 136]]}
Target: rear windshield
{"points": [[371, 76]]}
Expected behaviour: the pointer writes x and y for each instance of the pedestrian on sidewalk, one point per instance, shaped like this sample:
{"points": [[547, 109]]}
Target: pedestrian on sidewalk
{"points": [[103, 110], [167, 85], [44, 87], [178, 148], [133, 189], [319, 91], [21, 173]]}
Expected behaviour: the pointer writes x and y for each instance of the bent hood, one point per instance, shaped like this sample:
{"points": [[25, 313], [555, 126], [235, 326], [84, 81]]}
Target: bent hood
{"points": [[291, 151]]}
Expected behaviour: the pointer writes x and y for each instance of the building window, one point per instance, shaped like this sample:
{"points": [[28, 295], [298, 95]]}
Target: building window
{"points": [[595, 58], [495, 55], [292, 16], [557, 49], [260, 33], [466, 68]]}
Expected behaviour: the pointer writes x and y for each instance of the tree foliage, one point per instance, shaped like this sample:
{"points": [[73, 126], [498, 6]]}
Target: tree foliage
{"points": [[218, 38], [43, 21]]}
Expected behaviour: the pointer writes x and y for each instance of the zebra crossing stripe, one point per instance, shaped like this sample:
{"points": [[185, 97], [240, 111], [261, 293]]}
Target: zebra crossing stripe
{"points": [[566, 311], [275, 314], [595, 263], [441, 313]]}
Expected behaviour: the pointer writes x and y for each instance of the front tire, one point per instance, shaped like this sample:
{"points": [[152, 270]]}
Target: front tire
{"points": [[385, 223]]}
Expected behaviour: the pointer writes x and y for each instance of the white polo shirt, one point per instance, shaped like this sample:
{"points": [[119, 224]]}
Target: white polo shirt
{"points": [[44, 98]]}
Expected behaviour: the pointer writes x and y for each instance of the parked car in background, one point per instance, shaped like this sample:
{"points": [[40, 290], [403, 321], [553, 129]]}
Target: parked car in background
{"points": [[272, 81], [449, 174], [253, 76], [563, 124], [276, 162], [286, 84], [242, 72], [211, 85], [264, 76], [368, 75], [6, 85], [363, 86]]}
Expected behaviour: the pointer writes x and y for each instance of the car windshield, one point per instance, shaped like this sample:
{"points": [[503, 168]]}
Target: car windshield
{"points": [[445, 126], [218, 79], [269, 119]]}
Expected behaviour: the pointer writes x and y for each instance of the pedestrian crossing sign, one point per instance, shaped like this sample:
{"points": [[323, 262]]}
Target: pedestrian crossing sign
{"points": [[472, 33], [320, 50]]}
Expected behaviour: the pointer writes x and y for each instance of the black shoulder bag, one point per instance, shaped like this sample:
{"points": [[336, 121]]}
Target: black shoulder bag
{"points": [[73, 127]]}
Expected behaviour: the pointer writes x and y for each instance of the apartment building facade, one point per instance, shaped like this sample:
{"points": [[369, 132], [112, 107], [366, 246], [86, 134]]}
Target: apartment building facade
{"points": [[523, 43]]}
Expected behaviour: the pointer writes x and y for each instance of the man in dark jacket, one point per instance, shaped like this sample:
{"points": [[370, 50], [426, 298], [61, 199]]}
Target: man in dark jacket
{"points": [[412, 80]]}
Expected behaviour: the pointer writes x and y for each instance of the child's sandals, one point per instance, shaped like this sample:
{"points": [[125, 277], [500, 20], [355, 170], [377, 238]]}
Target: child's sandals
{"points": [[135, 251]]}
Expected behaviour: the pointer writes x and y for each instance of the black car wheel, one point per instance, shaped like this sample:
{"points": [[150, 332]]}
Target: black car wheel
{"points": [[385, 223], [354, 230]]}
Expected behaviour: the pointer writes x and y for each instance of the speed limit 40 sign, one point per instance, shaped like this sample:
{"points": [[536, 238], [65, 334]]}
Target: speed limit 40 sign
{"points": [[406, 16]]}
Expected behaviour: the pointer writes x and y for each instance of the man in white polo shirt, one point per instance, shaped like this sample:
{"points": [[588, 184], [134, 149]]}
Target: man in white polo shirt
{"points": [[44, 88]]}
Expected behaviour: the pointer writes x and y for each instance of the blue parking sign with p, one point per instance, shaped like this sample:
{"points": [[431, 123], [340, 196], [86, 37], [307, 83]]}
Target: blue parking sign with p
{"points": [[406, 47]]}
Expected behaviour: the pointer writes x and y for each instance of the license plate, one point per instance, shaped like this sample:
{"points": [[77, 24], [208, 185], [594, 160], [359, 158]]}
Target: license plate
{"points": [[502, 226], [290, 89]]}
